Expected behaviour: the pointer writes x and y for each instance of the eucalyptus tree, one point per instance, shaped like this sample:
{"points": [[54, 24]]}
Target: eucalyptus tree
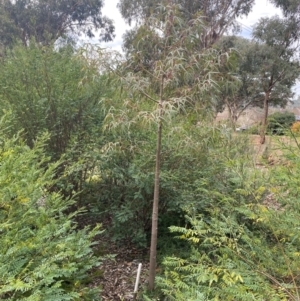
{"points": [[291, 11], [237, 88], [218, 16], [245, 73], [48, 20], [273, 61], [213, 10], [289, 7], [179, 76]]}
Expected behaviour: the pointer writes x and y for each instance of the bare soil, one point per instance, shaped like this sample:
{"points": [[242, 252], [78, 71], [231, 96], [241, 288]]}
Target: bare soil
{"points": [[116, 275], [119, 274], [273, 149]]}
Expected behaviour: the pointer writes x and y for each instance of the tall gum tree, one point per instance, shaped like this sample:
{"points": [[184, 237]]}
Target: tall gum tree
{"points": [[48, 20], [290, 8], [219, 15], [179, 76], [273, 60], [237, 89], [245, 76]]}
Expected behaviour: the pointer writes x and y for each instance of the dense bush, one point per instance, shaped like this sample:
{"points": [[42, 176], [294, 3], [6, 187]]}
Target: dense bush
{"points": [[55, 91], [190, 157], [245, 241], [42, 254], [239, 244], [279, 122]]}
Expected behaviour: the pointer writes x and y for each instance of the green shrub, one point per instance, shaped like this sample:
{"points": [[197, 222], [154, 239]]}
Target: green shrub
{"points": [[42, 254], [253, 130], [56, 92], [279, 122], [190, 157], [245, 241]]}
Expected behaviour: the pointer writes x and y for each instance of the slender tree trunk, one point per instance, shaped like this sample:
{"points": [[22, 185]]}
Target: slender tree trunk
{"points": [[232, 114], [153, 247], [265, 118], [233, 121]]}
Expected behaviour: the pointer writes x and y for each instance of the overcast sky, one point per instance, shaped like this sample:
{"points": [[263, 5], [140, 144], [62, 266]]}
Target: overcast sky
{"points": [[262, 8]]}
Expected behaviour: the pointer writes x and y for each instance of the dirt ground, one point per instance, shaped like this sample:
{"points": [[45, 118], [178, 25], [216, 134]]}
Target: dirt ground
{"points": [[274, 147]]}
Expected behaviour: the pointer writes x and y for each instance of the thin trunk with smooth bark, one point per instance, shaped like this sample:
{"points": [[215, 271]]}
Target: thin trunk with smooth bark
{"points": [[153, 247], [265, 118]]}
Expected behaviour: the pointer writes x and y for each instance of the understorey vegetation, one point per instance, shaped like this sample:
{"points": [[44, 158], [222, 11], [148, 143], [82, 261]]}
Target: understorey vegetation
{"points": [[43, 254], [99, 147]]}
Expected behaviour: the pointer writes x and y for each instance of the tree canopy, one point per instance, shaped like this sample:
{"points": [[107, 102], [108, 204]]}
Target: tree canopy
{"points": [[257, 66], [274, 60], [48, 20], [219, 16], [289, 7]]}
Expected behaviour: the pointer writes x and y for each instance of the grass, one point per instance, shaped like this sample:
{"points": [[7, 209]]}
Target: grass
{"points": [[273, 150]]}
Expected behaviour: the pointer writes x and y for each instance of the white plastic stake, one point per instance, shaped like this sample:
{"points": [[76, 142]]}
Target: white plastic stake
{"points": [[137, 278]]}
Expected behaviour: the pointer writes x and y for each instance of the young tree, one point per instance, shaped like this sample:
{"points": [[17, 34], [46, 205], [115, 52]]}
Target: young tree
{"points": [[48, 20], [180, 75]]}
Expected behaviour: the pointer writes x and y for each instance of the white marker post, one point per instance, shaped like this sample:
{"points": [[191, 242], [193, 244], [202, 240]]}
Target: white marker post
{"points": [[137, 281]]}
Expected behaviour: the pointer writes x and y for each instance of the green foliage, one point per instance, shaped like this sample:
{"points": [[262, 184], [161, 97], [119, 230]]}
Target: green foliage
{"points": [[244, 239], [253, 130], [59, 92], [280, 122], [219, 16], [125, 174], [190, 155], [227, 263], [290, 8], [42, 254], [48, 20]]}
